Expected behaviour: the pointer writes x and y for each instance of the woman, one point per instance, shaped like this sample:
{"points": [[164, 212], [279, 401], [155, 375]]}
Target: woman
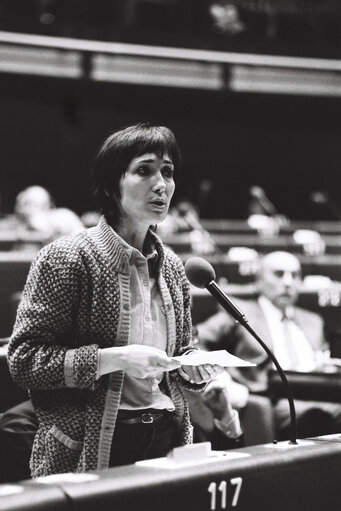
{"points": [[102, 314]]}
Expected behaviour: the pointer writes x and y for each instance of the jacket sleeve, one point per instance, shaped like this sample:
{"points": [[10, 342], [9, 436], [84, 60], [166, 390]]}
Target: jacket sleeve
{"points": [[42, 352], [221, 442]]}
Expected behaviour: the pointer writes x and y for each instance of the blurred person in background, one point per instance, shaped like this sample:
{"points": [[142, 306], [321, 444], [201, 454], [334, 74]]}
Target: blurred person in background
{"points": [[295, 335], [34, 211], [103, 313]]}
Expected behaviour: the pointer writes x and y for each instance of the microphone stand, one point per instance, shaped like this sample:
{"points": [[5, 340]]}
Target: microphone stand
{"points": [[239, 316], [196, 225]]}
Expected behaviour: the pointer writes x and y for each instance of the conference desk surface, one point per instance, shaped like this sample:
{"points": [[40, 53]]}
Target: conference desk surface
{"points": [[14, 240], [240, 226], [269, 477]]}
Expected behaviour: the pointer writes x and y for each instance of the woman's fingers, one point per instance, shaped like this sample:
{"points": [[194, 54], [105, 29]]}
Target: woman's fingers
{"points": [[201, 373], [146, 361]]}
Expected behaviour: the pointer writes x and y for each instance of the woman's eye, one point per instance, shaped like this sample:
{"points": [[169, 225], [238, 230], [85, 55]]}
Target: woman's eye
{"points": [[143, 171], [167, 172]]}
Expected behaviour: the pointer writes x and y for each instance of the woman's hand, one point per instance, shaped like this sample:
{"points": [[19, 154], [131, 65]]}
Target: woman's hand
{"points": [[136, 360], [200, 374]]}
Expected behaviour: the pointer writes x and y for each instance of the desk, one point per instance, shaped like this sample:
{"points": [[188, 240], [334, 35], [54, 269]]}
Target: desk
{"points": [[259, 478], [13, 240], [240, 226], [180, 242]]}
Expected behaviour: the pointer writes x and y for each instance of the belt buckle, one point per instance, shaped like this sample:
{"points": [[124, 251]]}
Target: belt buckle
{"points": [[147, 418]]}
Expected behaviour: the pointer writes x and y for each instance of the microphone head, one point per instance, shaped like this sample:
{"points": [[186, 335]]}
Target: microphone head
{"points": [[185, 208], [199, 272], [257, 192]]}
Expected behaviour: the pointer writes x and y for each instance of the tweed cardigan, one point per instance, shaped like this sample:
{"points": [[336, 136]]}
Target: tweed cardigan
{"points": [[75, 301]]}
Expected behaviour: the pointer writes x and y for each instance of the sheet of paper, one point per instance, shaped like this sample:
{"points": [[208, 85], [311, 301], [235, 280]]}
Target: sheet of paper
{"points": [[218, 357]]}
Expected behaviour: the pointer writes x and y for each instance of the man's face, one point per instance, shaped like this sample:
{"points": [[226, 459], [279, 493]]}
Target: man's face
{"points": [[280, 279], [32, 201]]}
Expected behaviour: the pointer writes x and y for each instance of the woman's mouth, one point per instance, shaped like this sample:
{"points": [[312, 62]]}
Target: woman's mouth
{"points": [[159, 203]]}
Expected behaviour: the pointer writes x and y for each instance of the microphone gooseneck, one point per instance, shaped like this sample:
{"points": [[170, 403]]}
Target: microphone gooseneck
{"points": [[322, 198], [195, 225], [201, 274], [259, 194]]}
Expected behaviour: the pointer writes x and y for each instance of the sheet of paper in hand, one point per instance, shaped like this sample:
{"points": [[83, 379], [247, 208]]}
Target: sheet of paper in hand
{"points": [[219, 357]]}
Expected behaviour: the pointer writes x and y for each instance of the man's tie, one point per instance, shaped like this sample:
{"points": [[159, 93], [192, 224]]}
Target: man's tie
{"points": [[290, 343]]}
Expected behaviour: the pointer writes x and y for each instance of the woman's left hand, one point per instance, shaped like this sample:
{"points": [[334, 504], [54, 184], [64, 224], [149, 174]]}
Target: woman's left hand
{"points": [[200, 374]]}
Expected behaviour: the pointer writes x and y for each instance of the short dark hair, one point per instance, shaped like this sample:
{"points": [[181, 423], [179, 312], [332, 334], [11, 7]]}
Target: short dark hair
{"points": [[114, 156]]}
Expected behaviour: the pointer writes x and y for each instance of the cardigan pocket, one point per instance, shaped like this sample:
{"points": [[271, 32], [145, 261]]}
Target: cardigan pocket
{"points": [[62, 452]]}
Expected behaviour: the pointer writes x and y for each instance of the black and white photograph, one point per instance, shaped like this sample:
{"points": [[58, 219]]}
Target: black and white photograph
{"points": [[170, 255]]}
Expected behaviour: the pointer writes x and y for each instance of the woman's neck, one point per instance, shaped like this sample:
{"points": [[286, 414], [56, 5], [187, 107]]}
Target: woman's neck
{"points": [[134, 235]]}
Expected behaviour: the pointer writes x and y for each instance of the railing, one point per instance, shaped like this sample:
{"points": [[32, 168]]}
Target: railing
{"points": [[166, 66]]}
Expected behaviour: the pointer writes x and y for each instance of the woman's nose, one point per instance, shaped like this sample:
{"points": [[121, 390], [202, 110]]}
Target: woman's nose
{"points": [[159, 182]]}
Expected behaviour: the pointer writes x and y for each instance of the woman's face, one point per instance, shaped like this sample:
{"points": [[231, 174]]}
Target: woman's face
{"points": [[147, 188]]}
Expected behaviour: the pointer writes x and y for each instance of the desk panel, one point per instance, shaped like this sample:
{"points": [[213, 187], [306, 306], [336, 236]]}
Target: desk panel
{"points": [[181, 243], [239, 226], [260, 478], [25, 240], [316, 386]]}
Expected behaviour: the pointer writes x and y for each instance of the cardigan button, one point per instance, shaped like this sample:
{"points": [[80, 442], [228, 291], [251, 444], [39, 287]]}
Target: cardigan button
{"points": [[126, 306]]}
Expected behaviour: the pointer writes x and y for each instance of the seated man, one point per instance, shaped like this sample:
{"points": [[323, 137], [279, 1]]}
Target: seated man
{"points": [[294, 335]]}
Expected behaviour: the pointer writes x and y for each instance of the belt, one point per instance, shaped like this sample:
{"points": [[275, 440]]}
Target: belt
{"points": [[146, 417]]}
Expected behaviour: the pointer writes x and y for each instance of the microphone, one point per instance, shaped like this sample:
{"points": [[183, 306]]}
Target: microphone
{"points": [[259, 194], [194, 224], [185, 212], [322, 198], [201, 274]]}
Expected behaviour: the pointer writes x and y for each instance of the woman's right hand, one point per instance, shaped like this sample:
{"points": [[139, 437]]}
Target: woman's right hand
{"points": [[136, 360]]}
